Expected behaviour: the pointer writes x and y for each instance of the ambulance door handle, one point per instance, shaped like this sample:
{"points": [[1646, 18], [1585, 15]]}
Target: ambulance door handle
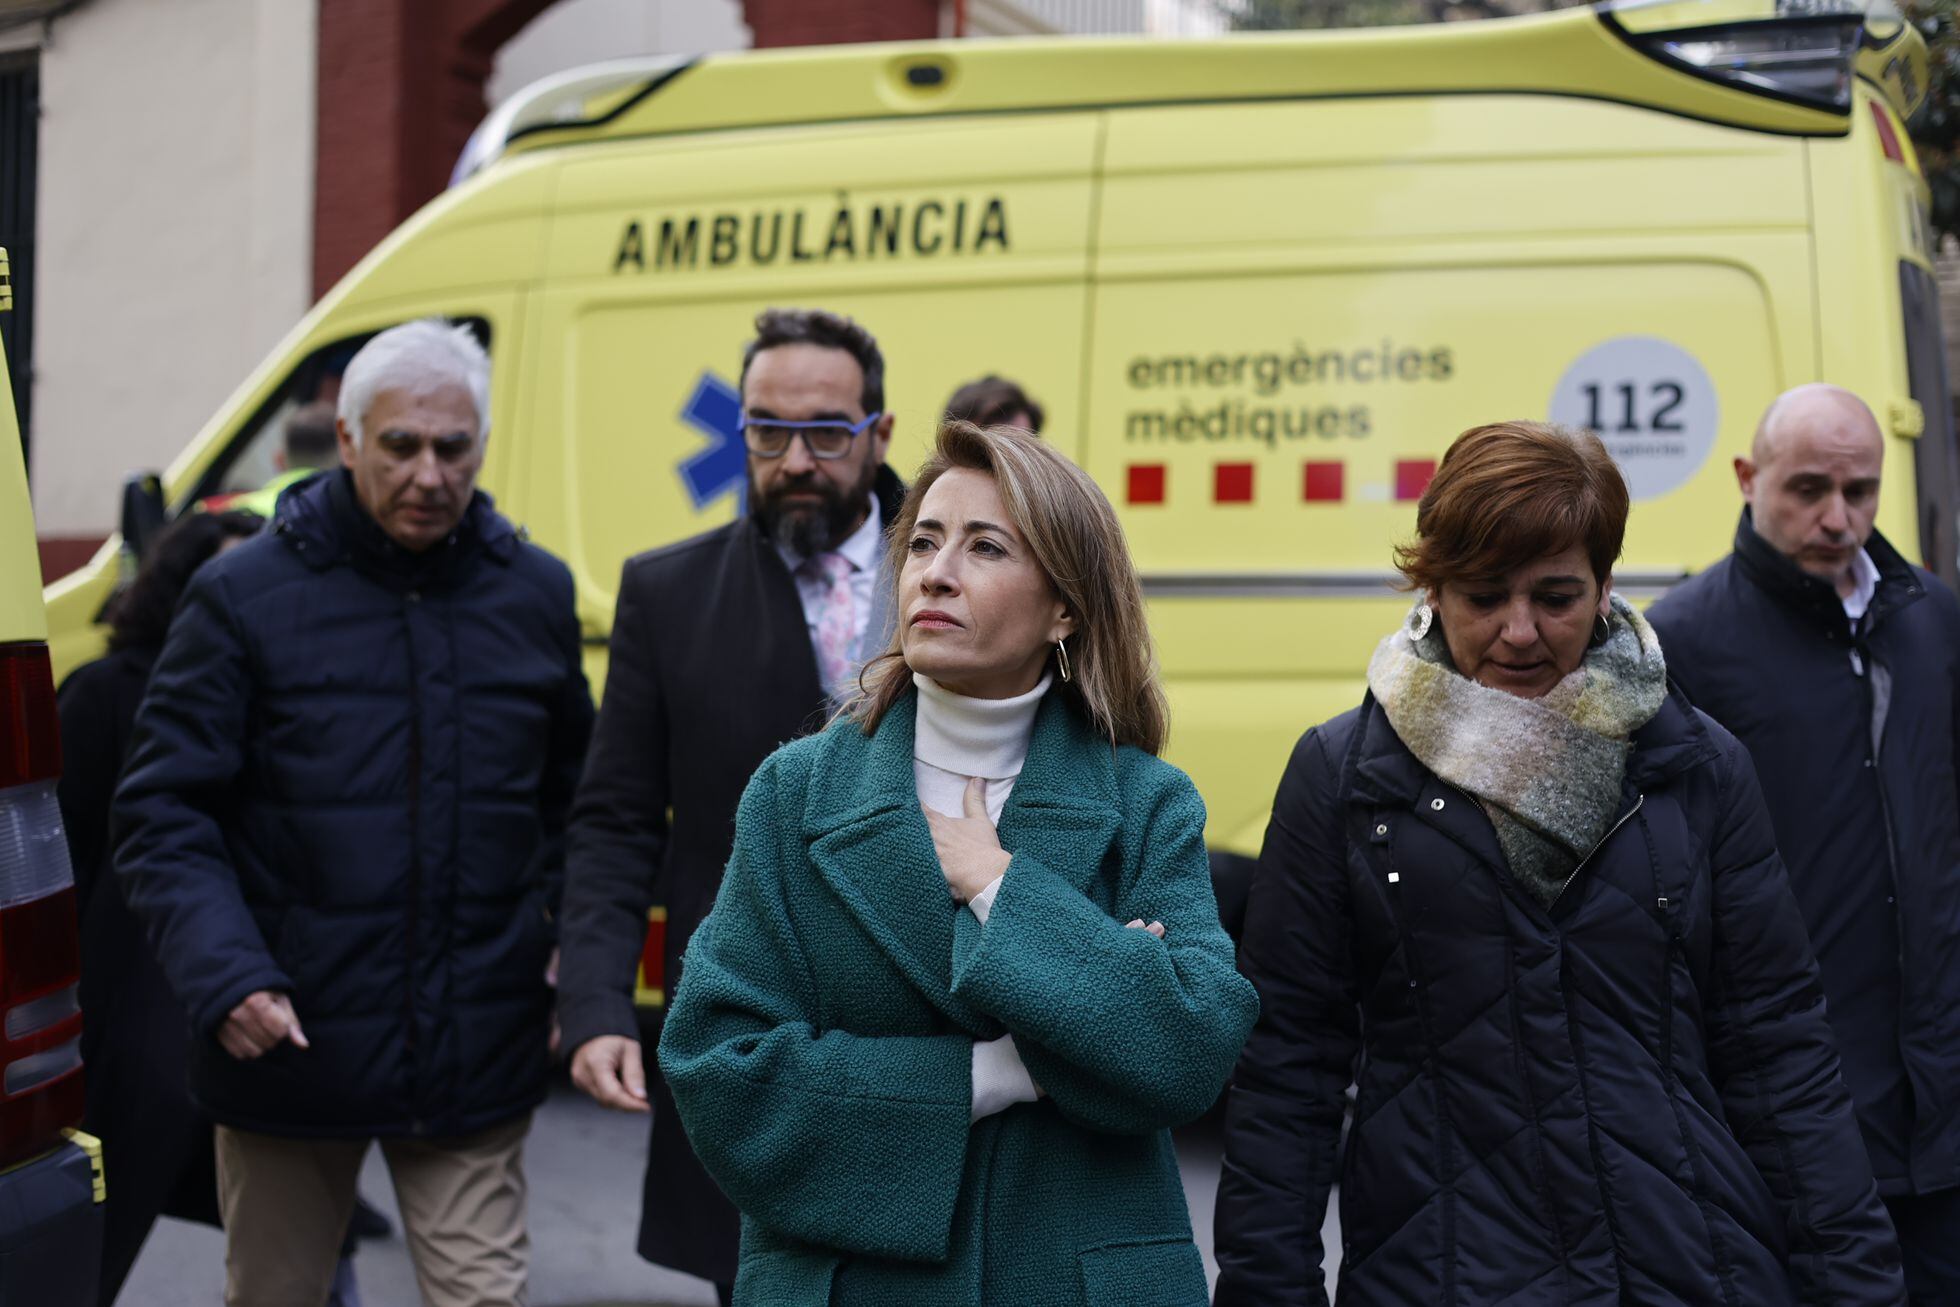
{"points": [[1908, 419]]}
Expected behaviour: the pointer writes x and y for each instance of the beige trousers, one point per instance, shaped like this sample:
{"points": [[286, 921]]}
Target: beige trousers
{"points": [[286, 1203]]}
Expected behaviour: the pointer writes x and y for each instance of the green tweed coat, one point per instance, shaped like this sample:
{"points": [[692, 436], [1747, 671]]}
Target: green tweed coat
{"points": [[820, 1043]]}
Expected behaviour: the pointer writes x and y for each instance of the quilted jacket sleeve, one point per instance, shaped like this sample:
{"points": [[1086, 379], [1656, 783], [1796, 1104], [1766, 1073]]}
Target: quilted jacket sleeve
{"points": [[1776, 1066], [1124, 1032], [1283, 1117], [186, 754], [852, 1142]]}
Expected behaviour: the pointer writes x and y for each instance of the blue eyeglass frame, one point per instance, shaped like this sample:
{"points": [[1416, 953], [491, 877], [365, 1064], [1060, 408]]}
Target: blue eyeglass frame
{"points": [[855, 429]]}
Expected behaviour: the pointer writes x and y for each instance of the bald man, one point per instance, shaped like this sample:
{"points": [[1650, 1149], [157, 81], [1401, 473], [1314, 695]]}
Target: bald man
{"points": [[1837, 663]]}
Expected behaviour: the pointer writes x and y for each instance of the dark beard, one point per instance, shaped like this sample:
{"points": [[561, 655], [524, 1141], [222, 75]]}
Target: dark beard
{"points": [[812, 531]]}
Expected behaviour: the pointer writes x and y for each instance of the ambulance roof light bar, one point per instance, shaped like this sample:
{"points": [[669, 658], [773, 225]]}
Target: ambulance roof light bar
{"points": [[578, 97]]}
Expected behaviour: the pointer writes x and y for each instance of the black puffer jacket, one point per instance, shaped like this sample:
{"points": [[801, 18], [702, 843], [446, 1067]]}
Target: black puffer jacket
{"points": [[1871, 832], [350, 781], [1631, 1098]]}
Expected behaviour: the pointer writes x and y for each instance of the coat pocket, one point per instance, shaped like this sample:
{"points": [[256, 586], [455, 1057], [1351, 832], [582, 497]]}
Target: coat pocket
{"points": [[785, 1277], [1144, 1273]]}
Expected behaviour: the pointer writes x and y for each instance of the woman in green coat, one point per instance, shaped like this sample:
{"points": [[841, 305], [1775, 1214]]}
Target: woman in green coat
{"points": [[965, 970]]}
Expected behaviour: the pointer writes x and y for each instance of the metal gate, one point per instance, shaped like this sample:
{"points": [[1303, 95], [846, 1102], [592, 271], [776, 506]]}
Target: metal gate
{"points": [[20, 114]]}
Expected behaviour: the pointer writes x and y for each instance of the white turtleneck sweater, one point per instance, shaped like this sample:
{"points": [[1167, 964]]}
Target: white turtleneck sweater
{"points": [[955, 738]]}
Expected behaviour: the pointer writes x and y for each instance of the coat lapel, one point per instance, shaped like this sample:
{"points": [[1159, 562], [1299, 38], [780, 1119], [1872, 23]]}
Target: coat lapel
{"points": [[869, 840], [870, 843], [1064, 811]]}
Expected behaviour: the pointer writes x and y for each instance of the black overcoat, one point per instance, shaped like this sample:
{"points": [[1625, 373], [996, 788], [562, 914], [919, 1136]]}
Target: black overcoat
{"points": [[350, 780], [1630, 1098], [1855, 735], [710, 671]]}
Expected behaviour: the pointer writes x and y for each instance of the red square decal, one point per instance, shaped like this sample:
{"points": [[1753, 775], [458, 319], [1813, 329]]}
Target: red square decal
{"points": [[1231, 483], [1146, 483], [1323, 483], [1412, 476]]}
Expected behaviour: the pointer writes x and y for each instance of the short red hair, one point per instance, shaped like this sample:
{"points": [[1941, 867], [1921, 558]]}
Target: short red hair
{"points": [[1510, 493]]}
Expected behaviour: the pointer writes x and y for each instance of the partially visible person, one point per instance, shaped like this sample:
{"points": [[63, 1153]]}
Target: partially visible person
{"points": [[965, 970], [995, 402], [342, 820], [723, 646], [1536, 892], [138, 1103], [307, 443], [1837, 663]]}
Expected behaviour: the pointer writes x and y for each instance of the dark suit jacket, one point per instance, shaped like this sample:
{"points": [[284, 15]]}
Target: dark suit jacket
{"points": [[711, 669]]}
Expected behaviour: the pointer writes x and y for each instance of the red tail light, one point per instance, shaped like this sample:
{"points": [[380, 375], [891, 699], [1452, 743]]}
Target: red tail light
{"points": [[1888, 136], [40, 961], [30, 729]]}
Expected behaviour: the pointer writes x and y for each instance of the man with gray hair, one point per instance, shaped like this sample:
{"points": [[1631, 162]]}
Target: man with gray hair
{"points": [[1837, 663], [342, 820]]}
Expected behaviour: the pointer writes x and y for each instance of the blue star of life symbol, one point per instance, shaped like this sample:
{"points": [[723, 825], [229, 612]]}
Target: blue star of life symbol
{"points": [[715, 410]]}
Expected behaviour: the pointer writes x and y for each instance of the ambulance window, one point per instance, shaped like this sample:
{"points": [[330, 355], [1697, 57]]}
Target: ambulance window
{"points": [[1936, 460], [294, 428]]}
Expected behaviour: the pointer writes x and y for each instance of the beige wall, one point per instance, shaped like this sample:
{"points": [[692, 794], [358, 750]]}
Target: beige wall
{"points": [[175, 230], [574, 32]]}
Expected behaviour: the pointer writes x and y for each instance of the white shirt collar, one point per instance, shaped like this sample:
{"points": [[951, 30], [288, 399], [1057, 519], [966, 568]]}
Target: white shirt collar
{"points": [[1864, 580], [860, 548], [987, 738]]}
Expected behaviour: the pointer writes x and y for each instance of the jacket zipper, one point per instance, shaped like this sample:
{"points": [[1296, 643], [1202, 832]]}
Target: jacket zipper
{"points": [[1445, 1154], [1639, 800]]}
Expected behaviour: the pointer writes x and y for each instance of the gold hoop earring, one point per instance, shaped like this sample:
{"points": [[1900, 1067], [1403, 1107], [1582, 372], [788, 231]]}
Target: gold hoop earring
{"points": [[1061, 657]]}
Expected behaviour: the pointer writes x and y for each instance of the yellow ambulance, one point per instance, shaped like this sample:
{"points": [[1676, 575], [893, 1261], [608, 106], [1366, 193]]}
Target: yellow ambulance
{"points": [[51, 1181], [1259, 283]]}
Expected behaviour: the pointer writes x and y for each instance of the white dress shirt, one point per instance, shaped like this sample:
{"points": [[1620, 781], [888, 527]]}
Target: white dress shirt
{"points": [[1864, 580], [956, 738]]}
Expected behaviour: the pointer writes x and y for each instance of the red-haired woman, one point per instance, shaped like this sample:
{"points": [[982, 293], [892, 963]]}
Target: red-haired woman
{"points": [[1537, 893]]}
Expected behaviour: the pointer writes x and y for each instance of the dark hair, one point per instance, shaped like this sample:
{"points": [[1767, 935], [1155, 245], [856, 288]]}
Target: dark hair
{"points": [[775, 327], [992, 401], [1510, 493], [140, 616], [311, 437]]}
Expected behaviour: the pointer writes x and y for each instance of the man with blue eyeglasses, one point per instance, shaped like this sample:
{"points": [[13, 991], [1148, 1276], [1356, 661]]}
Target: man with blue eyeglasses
{"points": [[723, 647]]}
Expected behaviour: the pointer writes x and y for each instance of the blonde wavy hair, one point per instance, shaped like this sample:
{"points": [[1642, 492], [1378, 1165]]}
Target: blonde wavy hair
{"points": [[1078, 544]]}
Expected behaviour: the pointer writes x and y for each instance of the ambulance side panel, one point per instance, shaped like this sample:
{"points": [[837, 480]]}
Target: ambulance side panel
{"points": [[962, 245], [1298, 306]]}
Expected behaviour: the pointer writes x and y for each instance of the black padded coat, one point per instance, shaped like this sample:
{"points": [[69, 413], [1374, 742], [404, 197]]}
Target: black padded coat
{"points": [[1629, 1098], [350, 781]]}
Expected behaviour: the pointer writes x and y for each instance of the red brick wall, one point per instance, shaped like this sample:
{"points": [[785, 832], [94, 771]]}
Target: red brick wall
{"points": [[400, 90], [61, 555], [834, 22]]}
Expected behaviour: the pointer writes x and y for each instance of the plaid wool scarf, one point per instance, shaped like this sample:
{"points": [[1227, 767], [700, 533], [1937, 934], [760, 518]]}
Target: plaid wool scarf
{"points": [[1546, 770]]}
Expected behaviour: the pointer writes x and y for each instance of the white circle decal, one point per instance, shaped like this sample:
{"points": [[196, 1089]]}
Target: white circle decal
{"points": [[1651, 402]]}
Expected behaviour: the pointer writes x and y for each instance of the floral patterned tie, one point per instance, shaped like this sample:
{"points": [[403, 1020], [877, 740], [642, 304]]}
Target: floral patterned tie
{"points": [[837, 625]]}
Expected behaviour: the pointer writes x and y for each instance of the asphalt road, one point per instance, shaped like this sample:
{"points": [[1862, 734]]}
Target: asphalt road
{"points": [[584, 1165]]}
